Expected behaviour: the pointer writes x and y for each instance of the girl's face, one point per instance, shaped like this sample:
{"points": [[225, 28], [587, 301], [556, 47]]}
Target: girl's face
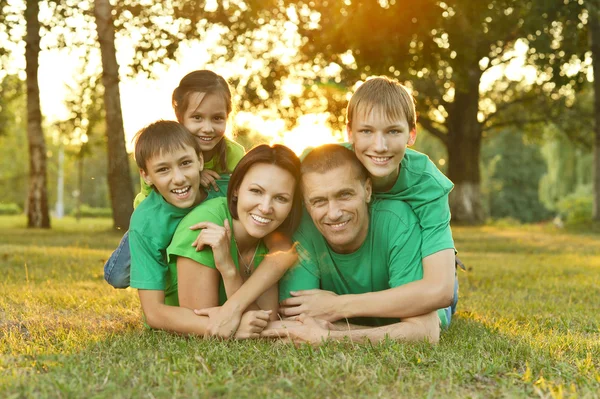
{"points": [[206, 118], [265, 198]]}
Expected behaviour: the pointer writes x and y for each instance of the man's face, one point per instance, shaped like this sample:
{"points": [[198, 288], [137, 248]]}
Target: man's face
{"points": [[176, 176], [337, 202], [380, 142]]}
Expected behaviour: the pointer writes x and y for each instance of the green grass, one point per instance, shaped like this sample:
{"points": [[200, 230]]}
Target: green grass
{"points": [[528, 325]]}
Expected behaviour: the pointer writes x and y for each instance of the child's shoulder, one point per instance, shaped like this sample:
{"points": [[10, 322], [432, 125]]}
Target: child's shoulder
{"points": [[417, 167], [233, 147]]}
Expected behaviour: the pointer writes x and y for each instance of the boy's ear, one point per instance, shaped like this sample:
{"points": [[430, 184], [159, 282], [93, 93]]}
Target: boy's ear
{"points": [[145, 177], [412, 136], [201, 160], [349, 133]]}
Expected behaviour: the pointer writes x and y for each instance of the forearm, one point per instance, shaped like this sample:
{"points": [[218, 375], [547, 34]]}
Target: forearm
{"points": [[176, 319], [232, 281], [271, 269], [420, 328]]}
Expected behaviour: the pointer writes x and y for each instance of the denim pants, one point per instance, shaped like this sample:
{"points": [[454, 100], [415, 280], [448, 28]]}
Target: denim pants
{"points": [[117, 267]]}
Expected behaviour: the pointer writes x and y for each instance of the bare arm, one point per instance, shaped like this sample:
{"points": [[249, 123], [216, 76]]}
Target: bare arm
{"points": [[198, 285], [315, 331], [170, 318], [433, 292], [282, 255]]}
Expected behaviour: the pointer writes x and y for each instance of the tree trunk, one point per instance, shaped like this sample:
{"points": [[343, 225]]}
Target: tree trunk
{"points": [[464, 147], [37, 200], [594, 30], [119, 178]]}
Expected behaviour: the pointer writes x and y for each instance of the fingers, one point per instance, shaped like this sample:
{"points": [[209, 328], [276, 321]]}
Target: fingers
{"points": [[306, 292], [214, 185], [227, 228], [205, 311], [291, 311], [293, 301]]}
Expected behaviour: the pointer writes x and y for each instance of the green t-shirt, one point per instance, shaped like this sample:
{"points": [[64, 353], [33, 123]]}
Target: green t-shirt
{"points": [[214, 211], [151, 229], [425, 188], [389, 257], [152, 226], [233, 153]]}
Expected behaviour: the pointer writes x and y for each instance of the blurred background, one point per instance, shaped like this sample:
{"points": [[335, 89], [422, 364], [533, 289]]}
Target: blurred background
{"points": [[504, 90]]}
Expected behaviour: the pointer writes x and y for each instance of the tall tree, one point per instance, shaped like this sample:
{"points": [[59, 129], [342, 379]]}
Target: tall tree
{"points": [[37, 202], [441, 48], [119, 177]]}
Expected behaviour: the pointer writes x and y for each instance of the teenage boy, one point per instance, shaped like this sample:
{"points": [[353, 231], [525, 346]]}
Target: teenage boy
{"points": [[169, 159], [381, 124], [353, 255]]}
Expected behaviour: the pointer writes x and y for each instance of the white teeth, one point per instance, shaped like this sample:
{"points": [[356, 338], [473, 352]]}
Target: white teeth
{"points": [[336, 226], [205, 138], [381, 159], [260, 219], [181, 190]]}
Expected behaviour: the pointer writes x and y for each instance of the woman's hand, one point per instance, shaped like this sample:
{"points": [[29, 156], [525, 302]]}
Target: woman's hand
{"points": [[252, 324], [208, 179], [222, 322], [219, 239]]}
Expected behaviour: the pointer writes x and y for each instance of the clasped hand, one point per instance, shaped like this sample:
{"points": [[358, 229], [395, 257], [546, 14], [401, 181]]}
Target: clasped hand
{"points": [[315, 303]]}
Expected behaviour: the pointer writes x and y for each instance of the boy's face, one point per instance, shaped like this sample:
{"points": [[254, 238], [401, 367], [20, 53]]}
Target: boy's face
{"points": [[380, 142], [176, 176]]}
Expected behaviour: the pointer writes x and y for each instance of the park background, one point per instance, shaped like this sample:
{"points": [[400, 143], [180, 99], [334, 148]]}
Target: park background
{"points": [[507, 107]]}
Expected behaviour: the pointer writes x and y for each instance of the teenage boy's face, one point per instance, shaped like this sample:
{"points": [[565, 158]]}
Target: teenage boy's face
{"points": [[206, 118], [380, 142], [337, 202], [176, 176]]}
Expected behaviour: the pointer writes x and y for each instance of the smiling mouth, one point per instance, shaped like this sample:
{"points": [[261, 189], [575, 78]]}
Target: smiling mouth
{"points": [[260, 219], [181, 192], [337, 226], [380, 160], [206, 138]]}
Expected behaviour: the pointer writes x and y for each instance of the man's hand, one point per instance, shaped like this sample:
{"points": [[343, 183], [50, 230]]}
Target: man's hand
{"points": [[252, 324], [208, 179], [306, 330], [222, 322], [315, 303]]}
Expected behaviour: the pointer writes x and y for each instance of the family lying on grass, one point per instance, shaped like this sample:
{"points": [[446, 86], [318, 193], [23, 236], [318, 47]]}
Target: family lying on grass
{"points": [[353, 241]]}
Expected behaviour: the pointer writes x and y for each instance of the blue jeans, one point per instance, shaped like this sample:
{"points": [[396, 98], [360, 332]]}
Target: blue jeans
{"points": [[117, 267], [450, 310]]}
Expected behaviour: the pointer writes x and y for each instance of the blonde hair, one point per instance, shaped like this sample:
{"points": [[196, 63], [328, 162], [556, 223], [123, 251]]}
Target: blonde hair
{"points": [[388, 95]]}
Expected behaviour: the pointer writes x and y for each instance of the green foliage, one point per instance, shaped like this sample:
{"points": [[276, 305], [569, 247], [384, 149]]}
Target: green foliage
{"points": [[523, 329], [514, 169], [10, 209], [87, 211], [576, 208]]}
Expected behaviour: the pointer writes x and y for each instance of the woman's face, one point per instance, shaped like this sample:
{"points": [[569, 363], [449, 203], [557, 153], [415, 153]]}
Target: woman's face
{"points": [[265, 198]]}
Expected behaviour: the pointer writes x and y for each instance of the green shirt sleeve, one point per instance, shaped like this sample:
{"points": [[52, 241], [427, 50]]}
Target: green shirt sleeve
{"points": [[145, 190], [148, 263], [425, 188]]}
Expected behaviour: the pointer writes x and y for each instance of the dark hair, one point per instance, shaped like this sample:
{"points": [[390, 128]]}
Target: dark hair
{"points": [[381, 91], [162, 137], [330, 156], [203, 81], [278, 155]]}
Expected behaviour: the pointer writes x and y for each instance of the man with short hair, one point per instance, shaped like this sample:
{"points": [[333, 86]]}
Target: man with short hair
{"points": [[352, 256]]}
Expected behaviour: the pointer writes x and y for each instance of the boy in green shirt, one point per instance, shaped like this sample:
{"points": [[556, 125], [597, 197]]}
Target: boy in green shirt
{"points": [[352, 257], [170, 160]]}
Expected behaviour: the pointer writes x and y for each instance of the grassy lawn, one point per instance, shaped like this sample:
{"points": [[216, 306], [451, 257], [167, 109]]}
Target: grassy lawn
{"points": [[528, 325]]}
